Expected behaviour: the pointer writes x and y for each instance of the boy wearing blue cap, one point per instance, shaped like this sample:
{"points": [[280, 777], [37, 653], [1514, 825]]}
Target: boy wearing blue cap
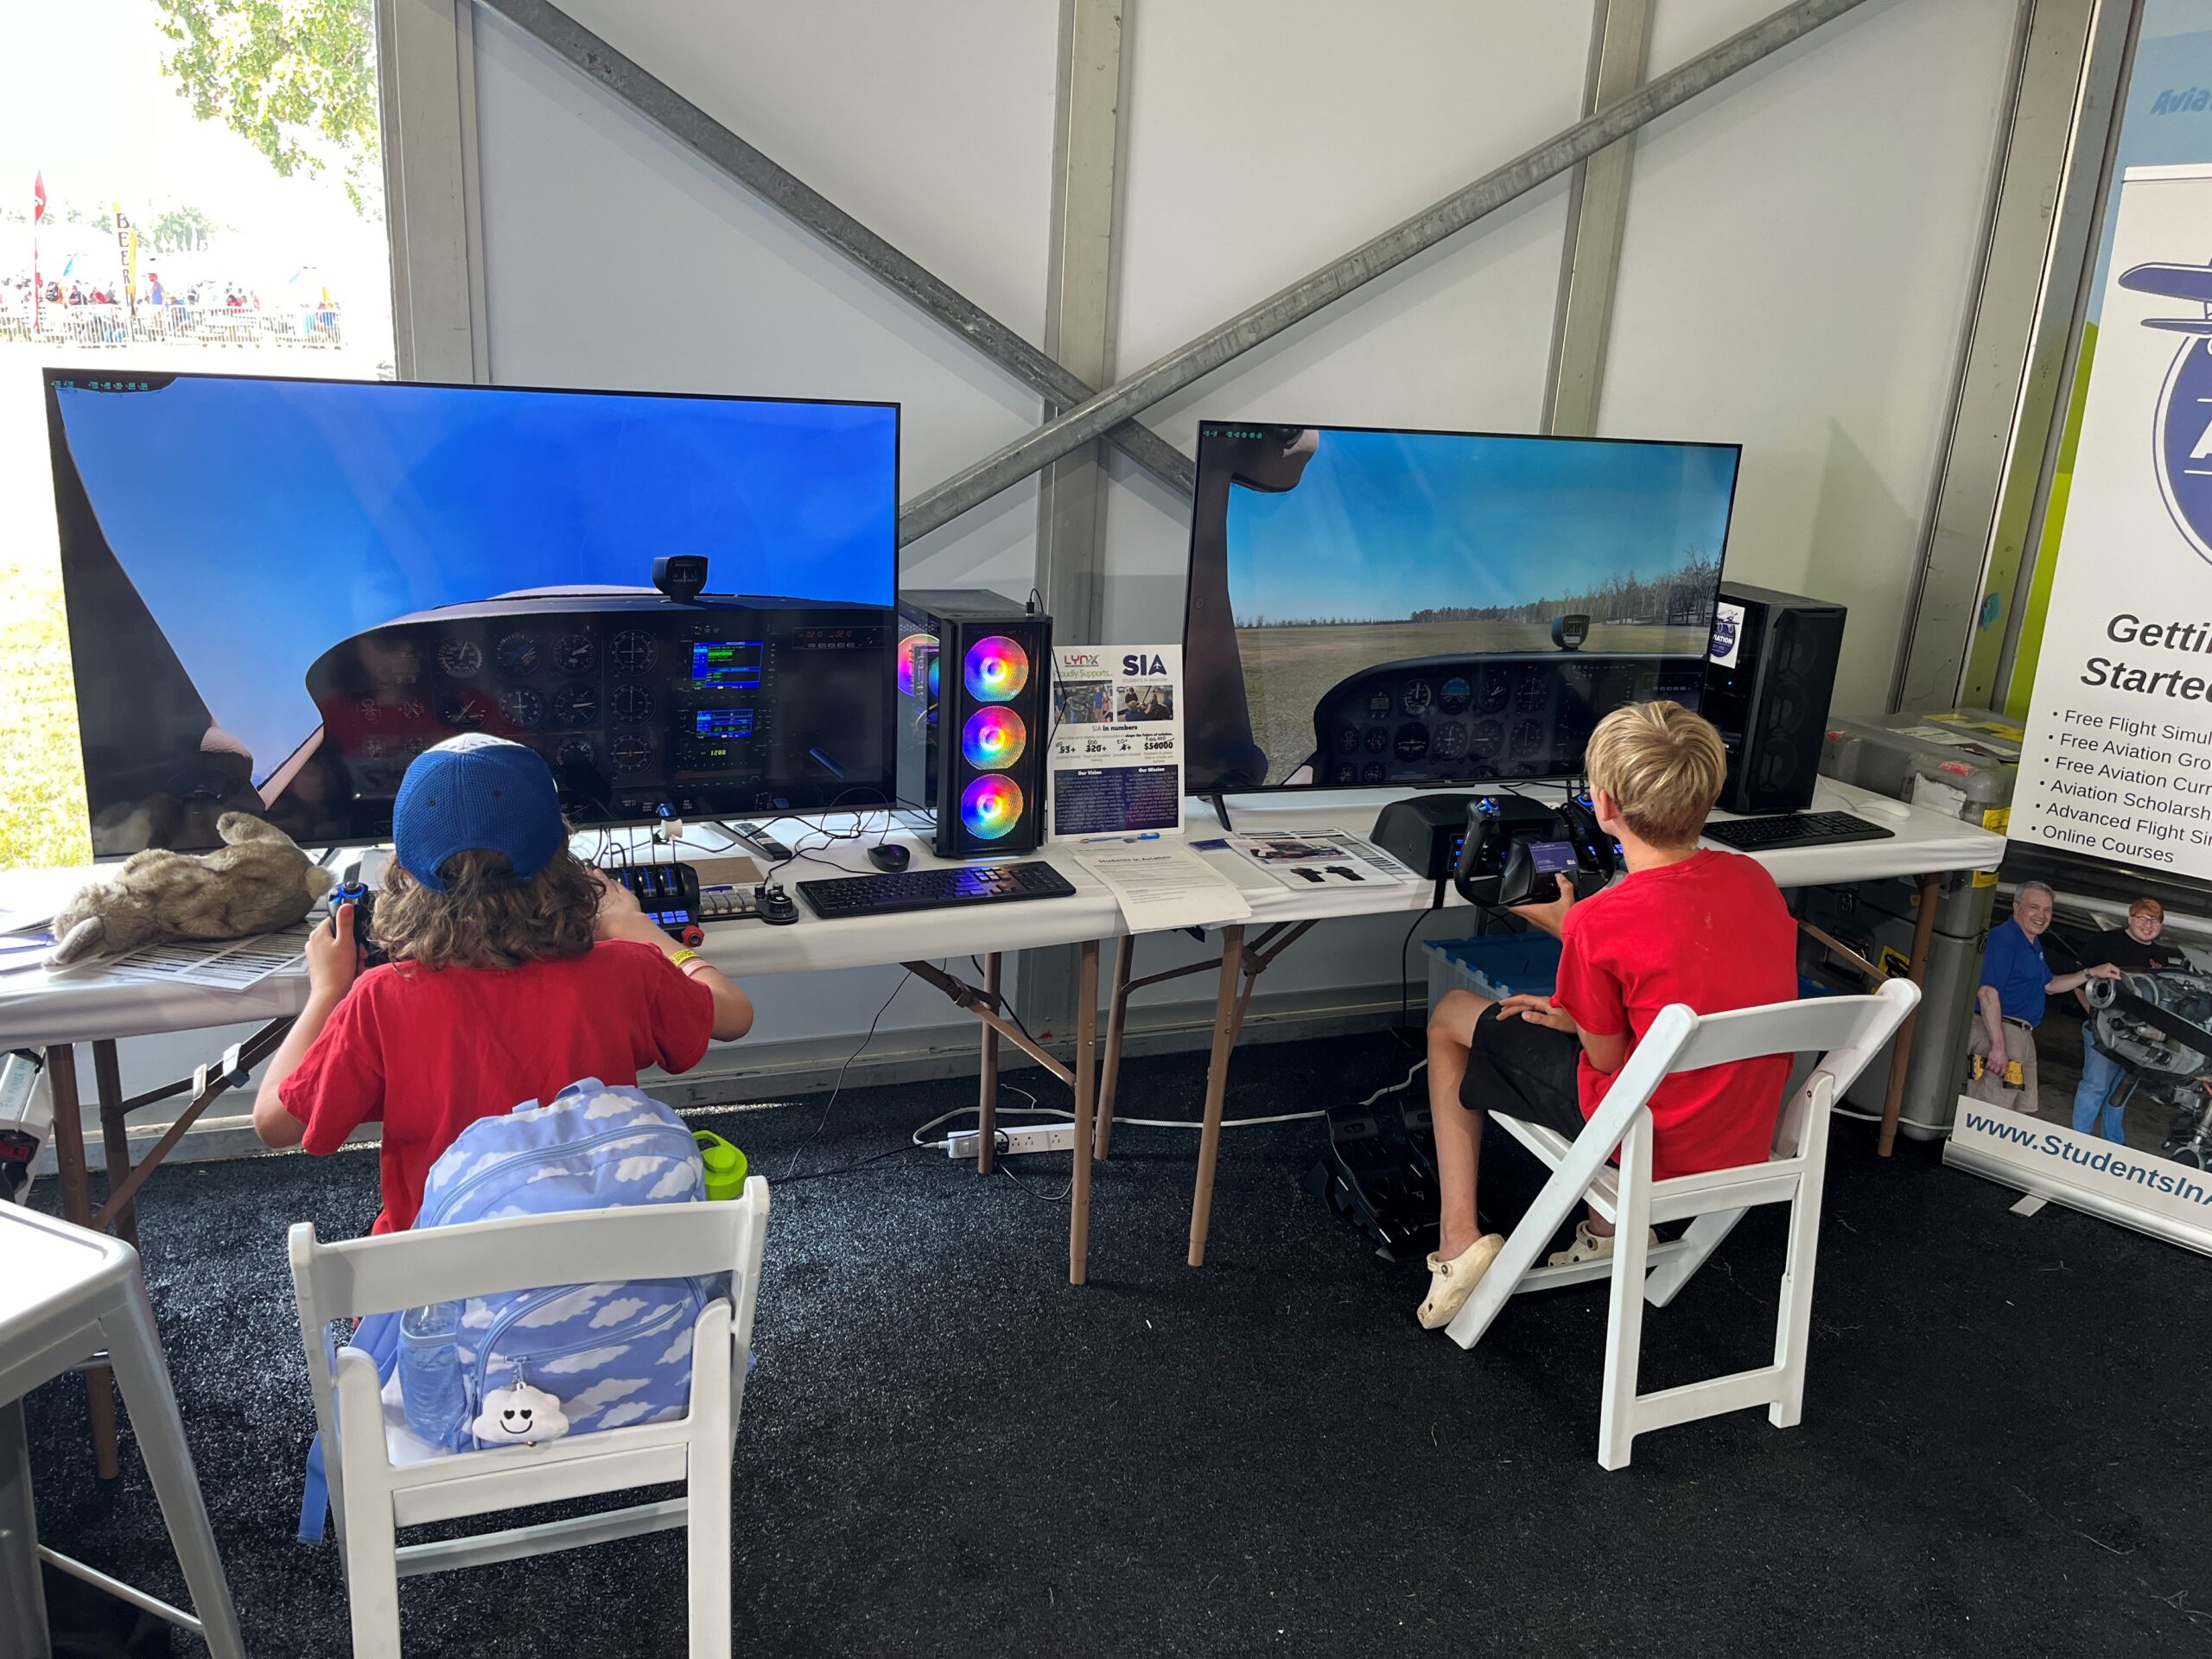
{"points": [[516, 968]]}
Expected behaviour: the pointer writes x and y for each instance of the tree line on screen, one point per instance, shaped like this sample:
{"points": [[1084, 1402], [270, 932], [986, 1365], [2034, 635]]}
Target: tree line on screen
{"points": [[1682, 595]]}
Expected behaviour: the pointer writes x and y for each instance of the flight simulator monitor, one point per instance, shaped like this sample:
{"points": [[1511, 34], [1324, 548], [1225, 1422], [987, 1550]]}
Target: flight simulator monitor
{"points": [[1390, 607], [280, 591]]}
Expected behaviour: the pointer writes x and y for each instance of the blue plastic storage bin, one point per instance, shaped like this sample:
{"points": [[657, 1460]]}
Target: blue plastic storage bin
{"points": [[1505, 964]]}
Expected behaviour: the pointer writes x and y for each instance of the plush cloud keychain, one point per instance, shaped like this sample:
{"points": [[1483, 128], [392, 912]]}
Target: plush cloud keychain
{"points": [[520, 1416]]}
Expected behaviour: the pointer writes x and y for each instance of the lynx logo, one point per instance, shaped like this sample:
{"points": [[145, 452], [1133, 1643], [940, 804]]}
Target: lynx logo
{"points": [[1073, 659], [2182, 430], [1138, 665]]}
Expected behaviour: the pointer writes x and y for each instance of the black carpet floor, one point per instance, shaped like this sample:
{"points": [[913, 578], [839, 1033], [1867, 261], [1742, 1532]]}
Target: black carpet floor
{"points": [[946, 1449]]}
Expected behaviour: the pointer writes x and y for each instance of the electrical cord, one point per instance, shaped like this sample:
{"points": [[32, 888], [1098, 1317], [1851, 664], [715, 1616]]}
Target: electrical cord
{"points": [[838, 1087], [1405, 974], [845, 1169], [804, 848]]}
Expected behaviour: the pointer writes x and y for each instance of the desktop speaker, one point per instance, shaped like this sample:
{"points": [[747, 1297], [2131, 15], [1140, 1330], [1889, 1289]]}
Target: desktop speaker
{"points": [[1767, 684], [975, 700]]}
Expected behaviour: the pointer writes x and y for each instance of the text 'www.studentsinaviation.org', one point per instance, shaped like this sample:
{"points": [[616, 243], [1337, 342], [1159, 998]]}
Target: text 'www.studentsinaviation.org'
{"points": [[2149, 1176]]}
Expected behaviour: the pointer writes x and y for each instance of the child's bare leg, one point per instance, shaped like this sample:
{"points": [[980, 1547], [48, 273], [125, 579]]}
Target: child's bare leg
{"points": [[1458, 1131]]}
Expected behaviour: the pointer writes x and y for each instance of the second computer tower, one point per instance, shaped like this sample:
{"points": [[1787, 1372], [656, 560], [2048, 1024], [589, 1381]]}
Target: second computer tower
{"points": [[975, 681], [1767, 685]]}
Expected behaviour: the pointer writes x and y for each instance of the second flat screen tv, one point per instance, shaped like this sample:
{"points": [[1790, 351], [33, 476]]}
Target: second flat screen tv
{"points": [[280, 590], [1374, 607]]}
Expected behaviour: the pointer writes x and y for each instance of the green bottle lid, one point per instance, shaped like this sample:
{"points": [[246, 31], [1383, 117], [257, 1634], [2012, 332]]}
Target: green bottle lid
{"points": [[725, 1165]]}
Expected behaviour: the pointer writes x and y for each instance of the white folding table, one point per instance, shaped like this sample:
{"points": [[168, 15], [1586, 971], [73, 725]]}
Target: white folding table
{"points": [[1924, 846], [57, 1012]]}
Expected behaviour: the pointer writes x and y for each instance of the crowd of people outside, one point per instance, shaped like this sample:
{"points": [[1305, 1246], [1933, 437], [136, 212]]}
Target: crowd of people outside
{"points": [[100, 310]]}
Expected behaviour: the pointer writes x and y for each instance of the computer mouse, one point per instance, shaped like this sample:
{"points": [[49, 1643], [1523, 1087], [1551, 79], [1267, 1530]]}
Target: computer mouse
{"points": [[1878, 807], [889, 856]]}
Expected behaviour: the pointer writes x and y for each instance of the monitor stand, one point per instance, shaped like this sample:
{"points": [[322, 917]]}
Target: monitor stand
{"points": [[1220, 804]]}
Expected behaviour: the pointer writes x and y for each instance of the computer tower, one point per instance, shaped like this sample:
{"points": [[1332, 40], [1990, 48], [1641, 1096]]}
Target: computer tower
{"points": [[975, 681], [1767, 684]]}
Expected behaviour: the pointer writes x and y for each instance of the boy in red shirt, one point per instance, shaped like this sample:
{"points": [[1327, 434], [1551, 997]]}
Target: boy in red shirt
{"points": [[1708, 929], [516, 970]]}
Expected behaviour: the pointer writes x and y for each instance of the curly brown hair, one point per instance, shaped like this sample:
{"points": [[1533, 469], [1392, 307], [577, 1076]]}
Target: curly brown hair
{"points": [[486, 918]]}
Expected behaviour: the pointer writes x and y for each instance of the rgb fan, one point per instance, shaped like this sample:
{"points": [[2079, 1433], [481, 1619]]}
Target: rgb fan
{"points": [[993, 739], [996, 669], [913, 650], [990, 807]]}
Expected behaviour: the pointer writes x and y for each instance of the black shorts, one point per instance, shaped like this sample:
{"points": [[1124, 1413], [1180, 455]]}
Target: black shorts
{"points": [[1525, 1070]]}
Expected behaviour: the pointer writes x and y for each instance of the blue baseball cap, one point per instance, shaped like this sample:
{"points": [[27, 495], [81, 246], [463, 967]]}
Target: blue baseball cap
{"points": [[476, 793]]}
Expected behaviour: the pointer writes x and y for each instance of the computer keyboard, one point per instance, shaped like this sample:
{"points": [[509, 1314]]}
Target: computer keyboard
{"points": [[1787, 830], [834, 899]]}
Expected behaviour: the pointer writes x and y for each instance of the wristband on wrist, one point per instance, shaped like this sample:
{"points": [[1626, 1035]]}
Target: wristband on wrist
{"points": [[683, 958]]}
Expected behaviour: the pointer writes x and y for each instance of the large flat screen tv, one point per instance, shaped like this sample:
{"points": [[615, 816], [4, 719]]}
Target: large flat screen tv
{"points": [[1371, 606], [279, 590]]}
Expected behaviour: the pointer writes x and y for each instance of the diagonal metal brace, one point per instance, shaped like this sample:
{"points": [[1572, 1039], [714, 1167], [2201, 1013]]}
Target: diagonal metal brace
{"points": [[1076, 427], [210, 1082], [687, 124]]}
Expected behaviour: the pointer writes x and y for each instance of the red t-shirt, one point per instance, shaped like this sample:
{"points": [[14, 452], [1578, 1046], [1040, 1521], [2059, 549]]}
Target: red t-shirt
{"points": [[1711, 932], [429, 1051]]}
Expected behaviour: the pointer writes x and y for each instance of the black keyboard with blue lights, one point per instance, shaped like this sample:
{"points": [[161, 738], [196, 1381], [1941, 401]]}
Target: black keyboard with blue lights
{"points": [[1785, 830], [836, 898]]}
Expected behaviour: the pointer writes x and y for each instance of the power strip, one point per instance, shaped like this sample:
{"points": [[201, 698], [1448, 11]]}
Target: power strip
{"points": [[1037, 1137]]}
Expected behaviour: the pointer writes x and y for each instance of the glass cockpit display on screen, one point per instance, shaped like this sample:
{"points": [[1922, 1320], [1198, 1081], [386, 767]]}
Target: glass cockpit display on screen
{"points": [[279, 590], [1372, 606]]}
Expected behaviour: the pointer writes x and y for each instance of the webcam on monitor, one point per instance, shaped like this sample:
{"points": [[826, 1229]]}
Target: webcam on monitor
{"points": [[682, 577], [1567, 632]]}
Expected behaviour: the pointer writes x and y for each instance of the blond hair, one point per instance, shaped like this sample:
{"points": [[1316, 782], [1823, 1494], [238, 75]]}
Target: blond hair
{"points": [[487, 918], [1662, 765]]}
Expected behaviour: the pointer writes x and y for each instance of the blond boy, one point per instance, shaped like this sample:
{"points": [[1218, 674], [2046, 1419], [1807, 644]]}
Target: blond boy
{"points": [[1701, 927]]}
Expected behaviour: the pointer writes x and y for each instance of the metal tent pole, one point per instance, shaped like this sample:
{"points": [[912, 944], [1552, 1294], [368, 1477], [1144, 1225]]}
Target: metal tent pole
{"points": [[1110, 409], [686, 123]]}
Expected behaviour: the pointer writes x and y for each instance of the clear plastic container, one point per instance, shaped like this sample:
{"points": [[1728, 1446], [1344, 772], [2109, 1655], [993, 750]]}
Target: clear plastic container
{"points": [[430, 1385]]}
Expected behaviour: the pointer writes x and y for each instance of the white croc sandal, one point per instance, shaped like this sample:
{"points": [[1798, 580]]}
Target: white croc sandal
{"points": [[1587, 1247], [1450, 1283]]}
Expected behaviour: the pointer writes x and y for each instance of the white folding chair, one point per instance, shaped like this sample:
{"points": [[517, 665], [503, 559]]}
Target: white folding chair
{"points": [[1845, 1030], [381, 1478]]}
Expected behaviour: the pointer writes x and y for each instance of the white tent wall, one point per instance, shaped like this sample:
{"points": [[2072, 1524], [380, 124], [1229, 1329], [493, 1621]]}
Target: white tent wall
{"points": [[1796, 273], [615, 256], [1807, 230], [1796, 269]]}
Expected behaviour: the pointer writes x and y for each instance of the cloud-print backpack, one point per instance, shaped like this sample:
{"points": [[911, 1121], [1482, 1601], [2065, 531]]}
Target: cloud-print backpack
{"points": [[611, 1354]]}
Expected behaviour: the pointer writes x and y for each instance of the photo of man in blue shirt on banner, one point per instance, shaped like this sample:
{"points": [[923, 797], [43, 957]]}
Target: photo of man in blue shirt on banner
{"points": [[2016, 983]]}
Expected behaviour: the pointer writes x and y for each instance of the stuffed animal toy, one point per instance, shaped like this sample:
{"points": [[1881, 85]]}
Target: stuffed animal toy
{"points": [[258, 883], [520, 1414]]}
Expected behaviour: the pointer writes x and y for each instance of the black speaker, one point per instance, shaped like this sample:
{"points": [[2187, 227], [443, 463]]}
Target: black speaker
{"points": [[974, 684], [1767, 684]]}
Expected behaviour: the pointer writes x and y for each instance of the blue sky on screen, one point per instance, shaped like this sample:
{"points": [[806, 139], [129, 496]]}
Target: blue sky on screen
{"points": [[1384, 523], [262, 521]]}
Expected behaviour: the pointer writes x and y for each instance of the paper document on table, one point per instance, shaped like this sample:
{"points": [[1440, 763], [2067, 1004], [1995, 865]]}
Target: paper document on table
{"points": [[1163, 884], [230, 965], [1321, 858]]}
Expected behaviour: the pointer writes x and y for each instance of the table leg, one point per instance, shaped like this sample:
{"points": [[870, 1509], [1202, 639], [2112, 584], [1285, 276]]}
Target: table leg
{"points": [[1117, 1014], [114, 1133], [77, 1208], [986, 1099], [1224, 1040], [1086, 1084], [23, 1596], [1923, 929]]}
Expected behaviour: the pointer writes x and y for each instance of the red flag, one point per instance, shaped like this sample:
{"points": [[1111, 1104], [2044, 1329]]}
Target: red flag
{"points": [[38, 197]]}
